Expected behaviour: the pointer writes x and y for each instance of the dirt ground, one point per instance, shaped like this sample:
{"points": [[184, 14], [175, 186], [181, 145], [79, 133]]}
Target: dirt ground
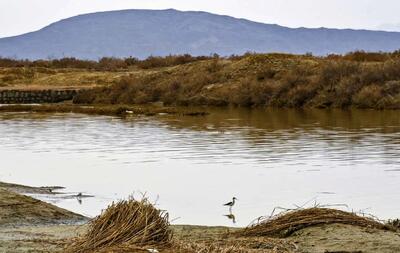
{"points": [[345, 238], [30, 225]]}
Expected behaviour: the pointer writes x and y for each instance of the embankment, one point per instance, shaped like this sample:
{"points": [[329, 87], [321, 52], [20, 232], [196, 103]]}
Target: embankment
{"points": [[359, 80]]}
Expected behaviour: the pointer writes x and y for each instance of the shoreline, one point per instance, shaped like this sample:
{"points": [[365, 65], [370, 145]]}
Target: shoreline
{"points": [[31, 225], [108, 110]]}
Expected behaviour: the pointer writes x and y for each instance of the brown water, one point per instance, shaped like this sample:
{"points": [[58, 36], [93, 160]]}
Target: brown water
{"points": [[192, 165]]}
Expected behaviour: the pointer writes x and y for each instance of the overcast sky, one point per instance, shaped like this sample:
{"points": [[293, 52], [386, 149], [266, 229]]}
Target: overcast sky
{"points": [[21, 16]]}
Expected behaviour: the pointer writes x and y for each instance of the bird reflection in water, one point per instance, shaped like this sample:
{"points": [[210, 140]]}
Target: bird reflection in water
{"points": [[79, 198], [232, 217]]}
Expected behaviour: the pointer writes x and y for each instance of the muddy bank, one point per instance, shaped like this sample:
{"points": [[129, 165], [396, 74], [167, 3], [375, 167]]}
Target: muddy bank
{"points": [[23, 189], [30, 225], [112, 110], [17, 209]]}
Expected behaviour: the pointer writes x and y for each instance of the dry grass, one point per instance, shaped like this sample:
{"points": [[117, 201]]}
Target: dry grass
{"points": [[43, 78], [231, 244], [359, 79], [286, 223], [262, 80], [127, 225]]}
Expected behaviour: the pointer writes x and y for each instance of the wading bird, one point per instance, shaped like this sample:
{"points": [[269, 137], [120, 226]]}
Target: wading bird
{"points": [[232, 203]]}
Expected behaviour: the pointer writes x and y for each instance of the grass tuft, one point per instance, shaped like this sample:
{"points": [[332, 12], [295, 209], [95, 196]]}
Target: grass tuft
{"points": [[286, 223], [129, 225]]}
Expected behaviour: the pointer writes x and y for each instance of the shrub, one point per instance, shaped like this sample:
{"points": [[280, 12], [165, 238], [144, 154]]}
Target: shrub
{"points": [[368, 97], [362, 56], [332, 72]]}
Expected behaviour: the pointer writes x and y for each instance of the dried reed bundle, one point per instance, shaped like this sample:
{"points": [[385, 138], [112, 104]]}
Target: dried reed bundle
{"points": [[286, 223], [126, 224]]}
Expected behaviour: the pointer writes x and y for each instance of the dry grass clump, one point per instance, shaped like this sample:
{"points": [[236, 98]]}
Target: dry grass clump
{"points": [[128, 225], [286, 223]]}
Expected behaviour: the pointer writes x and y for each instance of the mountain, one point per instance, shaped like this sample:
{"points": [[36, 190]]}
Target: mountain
{"points": [[141, 33], [389, 27]]}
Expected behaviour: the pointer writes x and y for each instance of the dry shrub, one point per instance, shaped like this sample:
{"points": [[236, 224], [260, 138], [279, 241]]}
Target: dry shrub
{"points": [[168, 61], [251, 92], [368, 97], [362, 56], [299, 95], [286, 223], [391, 70], [332, 72], [111, 64], [392, 88], [127, 224], [343, 93]]}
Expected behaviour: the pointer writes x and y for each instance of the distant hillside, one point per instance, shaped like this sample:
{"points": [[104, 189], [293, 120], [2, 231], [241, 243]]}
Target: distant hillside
{"points": [[142, 33]]}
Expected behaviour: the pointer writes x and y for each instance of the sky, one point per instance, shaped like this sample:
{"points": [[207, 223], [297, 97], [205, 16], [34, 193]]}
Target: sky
{"points": [[21, 16]]}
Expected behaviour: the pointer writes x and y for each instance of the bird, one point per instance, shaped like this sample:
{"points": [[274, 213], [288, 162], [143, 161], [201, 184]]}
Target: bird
{"points": [[232, 203]]}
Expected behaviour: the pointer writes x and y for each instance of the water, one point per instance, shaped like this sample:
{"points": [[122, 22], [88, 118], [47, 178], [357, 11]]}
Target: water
{"points": [[192, 165]]}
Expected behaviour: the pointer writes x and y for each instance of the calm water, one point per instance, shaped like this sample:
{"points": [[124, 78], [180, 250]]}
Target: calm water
{"points": [[192, 165]]}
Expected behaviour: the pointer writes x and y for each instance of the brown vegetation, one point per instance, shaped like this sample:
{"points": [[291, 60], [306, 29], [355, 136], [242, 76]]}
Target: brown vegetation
{"points": [[136, 226], [286, 223], [263, 80], [358, 79], [128, 225], [105, 63]]}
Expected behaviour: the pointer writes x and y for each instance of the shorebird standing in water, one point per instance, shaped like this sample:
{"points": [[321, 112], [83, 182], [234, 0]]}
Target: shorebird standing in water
{"points": [[232, 203]]}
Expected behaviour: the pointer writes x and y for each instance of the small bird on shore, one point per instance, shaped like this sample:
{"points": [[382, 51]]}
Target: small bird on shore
{"points": [[232, 203]]}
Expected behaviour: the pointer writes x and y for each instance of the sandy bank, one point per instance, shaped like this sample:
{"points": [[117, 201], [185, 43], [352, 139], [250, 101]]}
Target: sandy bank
{"points": [[30, 225]]}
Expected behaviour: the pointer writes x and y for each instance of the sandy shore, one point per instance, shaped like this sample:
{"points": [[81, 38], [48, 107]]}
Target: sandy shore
{"points": [[30, 225]]}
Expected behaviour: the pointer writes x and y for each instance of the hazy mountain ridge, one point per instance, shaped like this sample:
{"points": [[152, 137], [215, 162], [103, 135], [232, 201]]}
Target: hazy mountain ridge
{"points": [[142, 33]]}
